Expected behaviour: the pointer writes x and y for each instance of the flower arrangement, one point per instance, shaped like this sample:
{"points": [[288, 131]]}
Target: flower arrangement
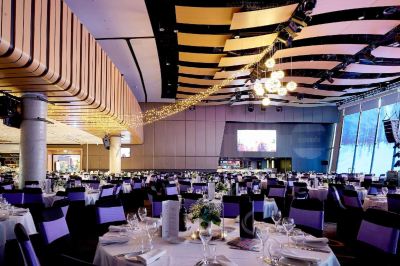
{"points": [[220, 186], [208, 212]]}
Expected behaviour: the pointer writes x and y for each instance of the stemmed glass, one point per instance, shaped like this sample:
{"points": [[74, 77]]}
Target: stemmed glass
{"points": [[276, 217], [132, 220], [142, 212], [298, 237], [288, 225], [151, 229], [205, 236], [263, 235], [274, 249]]}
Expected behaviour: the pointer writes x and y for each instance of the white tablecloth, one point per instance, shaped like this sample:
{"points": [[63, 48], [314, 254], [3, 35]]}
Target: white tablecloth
{"points": [[126, 188], [189, 253], [7, 229], [375, 202], [90, 198], [362, 193], [318, 193], [269, 207]]}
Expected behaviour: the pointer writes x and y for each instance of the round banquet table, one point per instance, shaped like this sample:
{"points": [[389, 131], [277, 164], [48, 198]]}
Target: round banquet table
{"points": [[7, 229], [318, 193], [376, 202], [362, 193], [269, 207], [90, 198], [189, 252]]}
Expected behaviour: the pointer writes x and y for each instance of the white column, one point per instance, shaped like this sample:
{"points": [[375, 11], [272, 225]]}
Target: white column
{"points": [[115, 154], [33, 151]]}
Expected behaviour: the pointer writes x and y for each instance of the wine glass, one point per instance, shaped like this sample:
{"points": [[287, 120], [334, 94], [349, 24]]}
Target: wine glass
{"points": [[151, 228], [385, 190], [274, 250], [142, 212], [288, 225], [205, 236], [276, 217], [132, 220], [263, 235], [298, 237]]}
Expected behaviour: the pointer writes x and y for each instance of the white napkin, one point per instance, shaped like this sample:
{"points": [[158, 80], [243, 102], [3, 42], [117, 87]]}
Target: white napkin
{"points": [[316, 240], [298, 255], [149, 257], [224, 261], [112, 239], [117, 228]]}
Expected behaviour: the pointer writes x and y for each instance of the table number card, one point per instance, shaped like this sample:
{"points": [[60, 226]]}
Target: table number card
{"points": [[211, 190], [170, 219]]}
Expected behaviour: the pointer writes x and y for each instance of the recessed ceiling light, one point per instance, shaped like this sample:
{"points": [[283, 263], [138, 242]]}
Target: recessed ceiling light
{"points": [[162, 29], [236, 37], [167, 63], [175, 31], [361, 18]]}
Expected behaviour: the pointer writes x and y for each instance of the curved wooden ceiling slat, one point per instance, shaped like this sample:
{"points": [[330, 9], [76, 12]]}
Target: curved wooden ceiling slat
{"points": [[202, 40], [307, 65], [232, 74], [360, 68], [197, 71], [250, 42], [327, 6], [238, 60], [349, 49], [200, 58], [205, 15], [210, 82], [263, 17], [387, 52]]}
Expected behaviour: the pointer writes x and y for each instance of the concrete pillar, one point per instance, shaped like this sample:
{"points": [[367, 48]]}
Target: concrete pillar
{"points": [[33, 153], [115, 154]]}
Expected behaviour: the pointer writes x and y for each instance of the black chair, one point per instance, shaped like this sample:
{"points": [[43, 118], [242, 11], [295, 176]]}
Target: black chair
{"points": [[109, 212], [258, 205], [25, 244], [231, 206], [308, 215]]}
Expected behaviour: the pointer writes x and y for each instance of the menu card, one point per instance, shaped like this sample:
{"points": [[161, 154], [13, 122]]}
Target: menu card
{"points": [[211, 190], [170, 219]]}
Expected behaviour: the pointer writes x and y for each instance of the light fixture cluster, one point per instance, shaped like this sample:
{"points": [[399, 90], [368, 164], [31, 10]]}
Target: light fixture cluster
{"points": [[273, 84]]}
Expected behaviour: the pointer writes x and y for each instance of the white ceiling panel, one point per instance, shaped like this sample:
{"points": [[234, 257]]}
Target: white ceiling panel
{"points": [[105, 18]]}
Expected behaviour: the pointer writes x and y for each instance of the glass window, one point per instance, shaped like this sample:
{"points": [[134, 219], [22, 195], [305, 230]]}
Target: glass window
{"points": [[383, 150], [348, 142], [366, 141]]}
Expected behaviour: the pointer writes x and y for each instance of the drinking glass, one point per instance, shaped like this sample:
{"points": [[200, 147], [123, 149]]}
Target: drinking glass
{"points": [[132, 220], [151, 229], [205, 236], [385, 190], [274, 249], [263, 235], [298, 237], [288, 225], [276, 217], [142, 212]]}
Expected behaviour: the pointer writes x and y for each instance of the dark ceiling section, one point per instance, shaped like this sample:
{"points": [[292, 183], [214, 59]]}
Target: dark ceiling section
{"points": [[162, 15]]}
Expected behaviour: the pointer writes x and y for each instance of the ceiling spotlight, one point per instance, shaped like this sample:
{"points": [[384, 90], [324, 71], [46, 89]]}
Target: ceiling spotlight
{"points": [[315, 86], [280, 74], [268, 85], [266, 101], [284, 38], [162, 29], [270, 63], [238, 95], [282, 91], [275, 84], [291, 86], [308, 6], [236, 37], [258, 89]]}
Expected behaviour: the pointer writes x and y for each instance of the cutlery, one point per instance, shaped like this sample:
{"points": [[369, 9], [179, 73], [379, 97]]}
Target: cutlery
{"points": [[314, 249], [231, 247]]}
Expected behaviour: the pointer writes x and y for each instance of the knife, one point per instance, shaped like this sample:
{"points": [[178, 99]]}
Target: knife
{"points": [[315, 249]]}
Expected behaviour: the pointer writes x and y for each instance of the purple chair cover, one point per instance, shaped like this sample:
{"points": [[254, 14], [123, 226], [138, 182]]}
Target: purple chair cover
{"points": [[188, 203], [393, 201], [110, 214], [171, 191], [277, 192], [136, 185], [26, 246], [309, 218], [76, 196], [183, 188], [272, 181], [8, 187], [106, 191], [201, 186], [156, 208], [53, 230], [231, 209], [33, 198], [352, 201], [381, 237], [14, 198], [258, 206], [117, 189]]}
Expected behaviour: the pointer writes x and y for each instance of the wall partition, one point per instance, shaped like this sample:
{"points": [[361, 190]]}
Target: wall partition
{"points": [[363, 146]]}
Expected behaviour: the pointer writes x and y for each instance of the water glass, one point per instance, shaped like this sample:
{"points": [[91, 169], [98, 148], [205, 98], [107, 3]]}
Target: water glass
{"points": [[205, 236], [132, 220], [263, 235], [274, 250], [142, 212], [298, 237], [276, 217], [288, 225]]}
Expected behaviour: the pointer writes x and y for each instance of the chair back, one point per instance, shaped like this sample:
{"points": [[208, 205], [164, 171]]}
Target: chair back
{"points": [[52, 225], [393, 201], [110, 212], [272, 181], [106, 191], [184, 186], [7, 186], [392, 189], [117, 189], [258, 200], [297, 186], [231, 206], [200, 186], [276, 191], [31, 184], [14, 197], [25, 245], [380, 229], [33, 195], [375, 189], [75, 193], [171, 189], [93, 184], [190, 199], [308, 213], [351, 199], [136, 185], [63, 204]]}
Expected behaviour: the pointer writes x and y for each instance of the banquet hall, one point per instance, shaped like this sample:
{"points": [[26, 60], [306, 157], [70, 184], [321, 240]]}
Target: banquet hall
{"points": [[188, 133]]}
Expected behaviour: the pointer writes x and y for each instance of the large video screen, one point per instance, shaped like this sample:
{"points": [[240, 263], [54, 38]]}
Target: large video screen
{"points": [[256, 140]]}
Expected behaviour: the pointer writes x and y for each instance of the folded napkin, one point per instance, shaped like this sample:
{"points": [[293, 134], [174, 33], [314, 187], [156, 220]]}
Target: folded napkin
{"points": [[113, 239], [299, 254], [147, 258], [224, 261], [244, 243], [117, 228], [316, 240]]}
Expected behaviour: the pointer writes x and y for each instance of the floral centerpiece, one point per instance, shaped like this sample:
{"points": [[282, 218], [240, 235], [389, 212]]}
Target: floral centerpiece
{"points": [[206, 211], [220, 186]]}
